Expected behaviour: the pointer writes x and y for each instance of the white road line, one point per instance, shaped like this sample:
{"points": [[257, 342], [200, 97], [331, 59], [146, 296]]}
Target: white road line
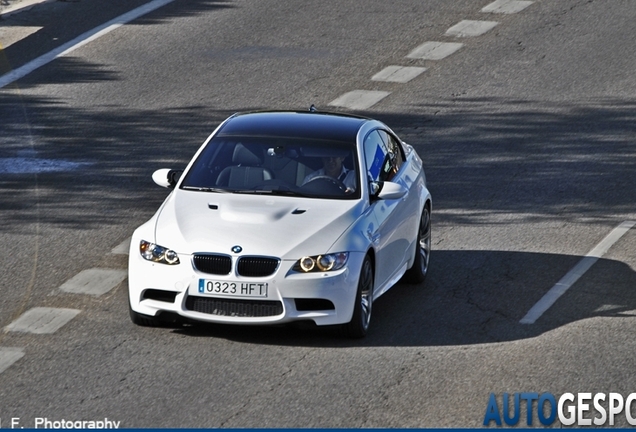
{"points": [[468, 28], [506, 6], [42, 320], [81, 40], [359, 99], [122, 248], [398, 74], [94, 281], [573, 275], [434, 50], [8, 356]]}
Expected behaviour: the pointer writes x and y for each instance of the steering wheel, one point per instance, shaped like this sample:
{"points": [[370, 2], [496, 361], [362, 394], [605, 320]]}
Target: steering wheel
{"points": [[325, 178]]}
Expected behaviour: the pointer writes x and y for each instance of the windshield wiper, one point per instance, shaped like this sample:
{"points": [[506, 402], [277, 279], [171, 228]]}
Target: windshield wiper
{"points": [[289, 193], [278, 192], [204, 189], [252, 191]]}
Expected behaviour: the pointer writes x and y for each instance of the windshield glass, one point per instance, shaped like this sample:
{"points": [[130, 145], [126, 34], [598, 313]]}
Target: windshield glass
{"points": [[273, 165]]}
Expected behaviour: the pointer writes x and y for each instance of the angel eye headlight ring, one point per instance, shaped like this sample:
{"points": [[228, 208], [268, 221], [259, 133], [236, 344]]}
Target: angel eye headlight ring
{"points": [[325, 262], [307, 264], [322, 263]]}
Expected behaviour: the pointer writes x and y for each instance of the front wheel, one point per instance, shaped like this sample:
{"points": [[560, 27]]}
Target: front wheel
{"points": [[417, 273], [359, 324]]}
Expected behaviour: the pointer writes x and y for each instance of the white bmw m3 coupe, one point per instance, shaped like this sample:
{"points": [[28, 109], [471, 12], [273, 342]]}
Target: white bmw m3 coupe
{"points": [[281, 217]]}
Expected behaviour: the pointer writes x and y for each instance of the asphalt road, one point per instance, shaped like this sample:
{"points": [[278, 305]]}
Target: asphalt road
{"points": [[527, 134]]}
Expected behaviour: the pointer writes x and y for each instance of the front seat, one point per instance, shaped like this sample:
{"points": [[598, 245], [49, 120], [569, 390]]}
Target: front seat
{"points": [[246, 172]]}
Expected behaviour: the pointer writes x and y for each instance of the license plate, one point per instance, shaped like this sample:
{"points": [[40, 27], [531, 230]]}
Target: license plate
{"points": [[233, 289]]}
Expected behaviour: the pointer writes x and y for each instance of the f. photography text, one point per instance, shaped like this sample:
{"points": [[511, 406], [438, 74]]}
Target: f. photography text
{"points": [[581, 409], [46, 423]]}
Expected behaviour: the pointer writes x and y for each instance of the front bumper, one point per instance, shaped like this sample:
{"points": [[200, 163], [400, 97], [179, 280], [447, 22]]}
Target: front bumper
{"points": [[324, 298]]}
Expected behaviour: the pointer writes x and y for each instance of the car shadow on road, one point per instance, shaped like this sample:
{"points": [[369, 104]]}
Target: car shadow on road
{"points": [[451, 308]]}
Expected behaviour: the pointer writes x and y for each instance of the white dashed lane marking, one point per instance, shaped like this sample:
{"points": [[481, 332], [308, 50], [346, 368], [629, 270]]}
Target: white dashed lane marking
{"points": [[359, 99], [398, 74], [573, 275], [94, 281], [468, 28], [42, 320], [8, 356], [434, 50], [122, 248], [506, 6]]}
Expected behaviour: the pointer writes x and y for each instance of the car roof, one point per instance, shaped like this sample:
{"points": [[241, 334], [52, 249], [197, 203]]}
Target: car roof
{"points": [[316, 125]]}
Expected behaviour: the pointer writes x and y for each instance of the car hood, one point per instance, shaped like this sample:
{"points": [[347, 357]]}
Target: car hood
{"points": [[284, 227]]}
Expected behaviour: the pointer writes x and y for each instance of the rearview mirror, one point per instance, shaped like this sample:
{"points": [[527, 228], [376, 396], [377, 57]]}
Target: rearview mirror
{"points": [[166, 177], [387, 190]]}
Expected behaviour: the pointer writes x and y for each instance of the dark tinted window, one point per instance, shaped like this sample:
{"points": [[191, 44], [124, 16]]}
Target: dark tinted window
{"points": [[395, 148], [383, 156], [274, 165]]}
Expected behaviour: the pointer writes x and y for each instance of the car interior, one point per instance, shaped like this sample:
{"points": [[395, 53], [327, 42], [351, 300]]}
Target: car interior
{"points": [[249, 164]]}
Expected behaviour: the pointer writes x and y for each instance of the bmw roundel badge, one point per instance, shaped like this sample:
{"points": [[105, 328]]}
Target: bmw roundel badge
{"points": [[237, 249]]}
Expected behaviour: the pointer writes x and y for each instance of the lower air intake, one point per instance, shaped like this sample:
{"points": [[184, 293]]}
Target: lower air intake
{"points": [[234, 308]]}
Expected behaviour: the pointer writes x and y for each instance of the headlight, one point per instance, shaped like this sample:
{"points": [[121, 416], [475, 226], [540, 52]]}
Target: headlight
{"points": [[159, 254], [321, 263]]}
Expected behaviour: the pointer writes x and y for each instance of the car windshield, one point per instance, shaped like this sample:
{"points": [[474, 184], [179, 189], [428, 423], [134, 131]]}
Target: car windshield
{"points": [[276, 166]]}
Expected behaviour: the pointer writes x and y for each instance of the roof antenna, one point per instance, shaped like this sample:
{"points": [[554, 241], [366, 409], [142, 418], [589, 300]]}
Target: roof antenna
{"points": [[313, 108]]}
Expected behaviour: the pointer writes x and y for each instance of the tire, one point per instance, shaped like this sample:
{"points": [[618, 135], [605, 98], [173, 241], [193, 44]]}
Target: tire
{"points": [[417, 273], [142, 320], [359, 324]]}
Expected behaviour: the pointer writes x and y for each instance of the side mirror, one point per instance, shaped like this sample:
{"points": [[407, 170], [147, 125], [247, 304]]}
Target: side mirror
{"points": [[166, 177], [387, 190]]}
